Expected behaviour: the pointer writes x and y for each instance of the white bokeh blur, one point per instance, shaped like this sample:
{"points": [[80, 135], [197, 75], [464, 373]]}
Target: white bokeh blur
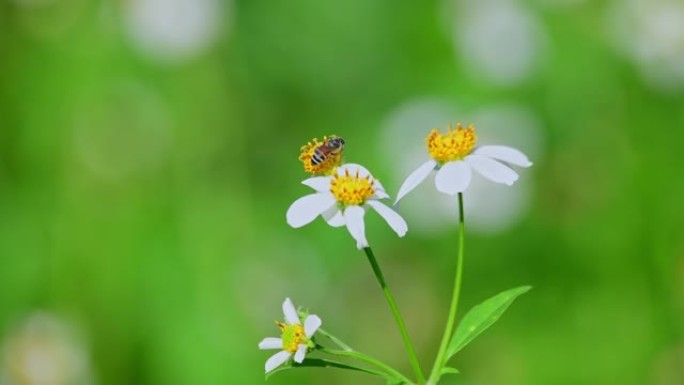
{"points": [[173, 31], [651, 34], [500, 41], [44, 349], [490, 207]]}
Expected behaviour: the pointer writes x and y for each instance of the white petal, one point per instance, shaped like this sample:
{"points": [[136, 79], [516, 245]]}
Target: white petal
{"points": [[353, 217], [491, 169], [333, 216], [453, 177], [290, 312], [318, 183], [271, 343], [353, 168], [276, 360], [311, 324], [378, 186], [380, 194], [415, 178], [301, 353], [504, 153], [396, 222], [307, 208]]}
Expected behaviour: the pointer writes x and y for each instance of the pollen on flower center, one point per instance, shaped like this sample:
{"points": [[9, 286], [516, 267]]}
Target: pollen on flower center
{"points": [[325, 162], [292, 335], [351, 189], [454, 145]]}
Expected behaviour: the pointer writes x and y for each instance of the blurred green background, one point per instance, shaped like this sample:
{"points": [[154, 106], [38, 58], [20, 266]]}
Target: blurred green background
{"points": [[148, 153]]}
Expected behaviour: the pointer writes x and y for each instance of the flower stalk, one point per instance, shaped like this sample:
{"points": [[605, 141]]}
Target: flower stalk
{"points": [[335, 340], [397, 315], [391, 372], [453, 309], [347, 351]]}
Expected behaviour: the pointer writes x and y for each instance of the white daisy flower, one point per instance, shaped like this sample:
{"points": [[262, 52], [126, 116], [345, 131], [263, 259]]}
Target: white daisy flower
{"points": [[454, 156], [342, 200], [295, 338]]}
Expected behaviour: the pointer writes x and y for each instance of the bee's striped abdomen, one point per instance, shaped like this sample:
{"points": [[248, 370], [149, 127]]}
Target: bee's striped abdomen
{"points": [[317, 158]]}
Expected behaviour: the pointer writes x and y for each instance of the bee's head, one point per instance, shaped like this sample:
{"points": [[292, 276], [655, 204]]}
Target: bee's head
{"points": [[336, 143]]}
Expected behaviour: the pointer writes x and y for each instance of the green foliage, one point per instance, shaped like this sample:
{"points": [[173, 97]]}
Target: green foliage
{"points": [[324, 363], [449, 370], [394, 381], [481, 317]]}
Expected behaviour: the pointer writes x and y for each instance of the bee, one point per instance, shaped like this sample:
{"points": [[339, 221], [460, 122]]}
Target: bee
{"points": [[332, 146]]}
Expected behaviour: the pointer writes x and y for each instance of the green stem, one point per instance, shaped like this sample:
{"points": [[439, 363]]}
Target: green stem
{"points": [[367, 359], [397, 316], [336, 340], [323, 363], [349, 352], [448, 331]]}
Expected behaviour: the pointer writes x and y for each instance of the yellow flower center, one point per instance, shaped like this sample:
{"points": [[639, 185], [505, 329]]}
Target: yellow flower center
{"points": [[326, 166], [292, 336], [454, 145], [351, 189]]}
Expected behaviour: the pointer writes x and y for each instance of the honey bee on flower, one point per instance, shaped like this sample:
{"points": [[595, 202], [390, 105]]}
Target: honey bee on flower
{"points": [[330, 147], [321, 158]]}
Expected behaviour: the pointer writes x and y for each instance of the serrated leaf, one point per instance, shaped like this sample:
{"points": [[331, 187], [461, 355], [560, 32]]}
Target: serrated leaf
{"points": [[322, 363], [481, 317]]}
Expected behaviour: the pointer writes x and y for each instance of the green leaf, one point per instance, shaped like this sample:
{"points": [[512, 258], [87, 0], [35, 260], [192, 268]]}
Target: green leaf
{"points": [[323, 363], [448, 370], [481, 317]]}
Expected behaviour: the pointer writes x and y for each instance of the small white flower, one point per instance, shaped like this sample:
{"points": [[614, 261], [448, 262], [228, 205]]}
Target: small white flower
{"points": [[295, 337], [342, 200], [454, 156]]}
